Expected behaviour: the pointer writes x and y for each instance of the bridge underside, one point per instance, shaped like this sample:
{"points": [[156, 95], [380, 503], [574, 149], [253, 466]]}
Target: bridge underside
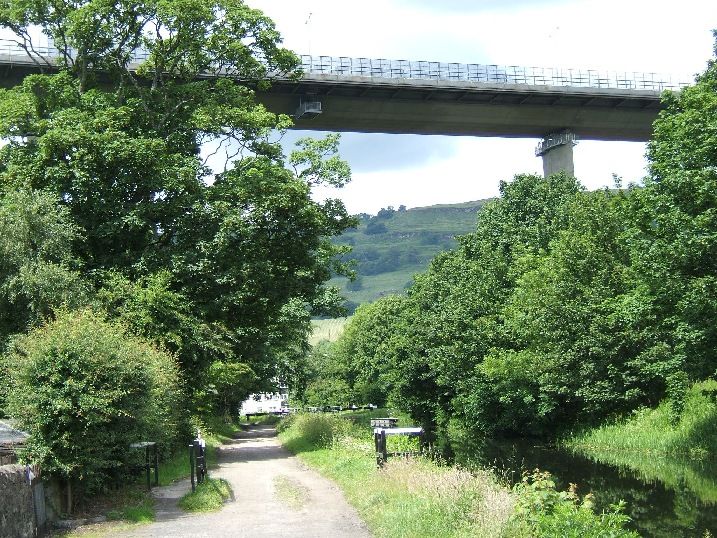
{"points": [[445, 108]]}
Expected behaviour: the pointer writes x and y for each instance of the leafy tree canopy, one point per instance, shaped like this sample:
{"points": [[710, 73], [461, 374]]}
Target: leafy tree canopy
{"points": [[203, 261]]}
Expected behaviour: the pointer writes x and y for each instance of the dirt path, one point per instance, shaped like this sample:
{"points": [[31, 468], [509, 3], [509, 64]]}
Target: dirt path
{"points": [[274, 495]]}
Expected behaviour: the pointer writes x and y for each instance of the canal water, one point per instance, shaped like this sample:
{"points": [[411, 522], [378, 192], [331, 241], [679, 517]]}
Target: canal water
{"points": [[665, 497]]}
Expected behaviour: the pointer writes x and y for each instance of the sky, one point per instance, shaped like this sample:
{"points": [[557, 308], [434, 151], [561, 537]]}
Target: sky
{"points": [[661, 36]]}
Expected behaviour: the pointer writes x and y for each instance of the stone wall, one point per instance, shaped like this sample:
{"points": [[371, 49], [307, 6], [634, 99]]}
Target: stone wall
{"points": [[17, 513]]}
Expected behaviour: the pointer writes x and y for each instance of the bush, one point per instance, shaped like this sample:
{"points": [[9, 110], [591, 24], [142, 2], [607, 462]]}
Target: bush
{"points": [[319, 429], [541, 510], [85, 391]]}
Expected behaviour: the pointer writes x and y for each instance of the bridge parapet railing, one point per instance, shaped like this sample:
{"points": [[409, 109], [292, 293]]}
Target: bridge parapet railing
{"points": [[485, 73], [425, 70]]}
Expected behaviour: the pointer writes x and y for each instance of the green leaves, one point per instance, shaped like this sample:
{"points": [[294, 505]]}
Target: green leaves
{"points": [[38, 272], [317, 161], [84, 391], [217, 266]]}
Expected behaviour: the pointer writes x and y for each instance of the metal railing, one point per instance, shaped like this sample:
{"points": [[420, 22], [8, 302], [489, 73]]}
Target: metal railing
{"points": [[490, 74], [553, 140], [439, 71], [49, 54]]}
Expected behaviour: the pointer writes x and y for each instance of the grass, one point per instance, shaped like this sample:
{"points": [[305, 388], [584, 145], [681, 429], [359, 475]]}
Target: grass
{"points": [[681, 455], [208, 497], [411, 240], [215, 432], [418, 497], [376, 286], [408, 497], [291, 493], [138, 512], [652, 432], [327, 329], [125, 509]]}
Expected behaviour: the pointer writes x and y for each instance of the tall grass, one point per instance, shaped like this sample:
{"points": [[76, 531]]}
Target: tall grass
{"points": [[681, 455], [418, 497], [408, 497], [651, 432]]}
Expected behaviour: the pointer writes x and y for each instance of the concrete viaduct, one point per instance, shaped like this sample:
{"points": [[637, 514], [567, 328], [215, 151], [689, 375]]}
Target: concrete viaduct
{"points": [[367, 95]]}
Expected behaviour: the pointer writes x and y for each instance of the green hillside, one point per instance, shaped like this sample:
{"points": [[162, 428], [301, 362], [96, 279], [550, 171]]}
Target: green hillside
{"points": [[390, 247]]}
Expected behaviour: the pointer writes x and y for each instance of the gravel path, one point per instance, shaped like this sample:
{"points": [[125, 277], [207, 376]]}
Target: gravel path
{"points": [[275, 495]]}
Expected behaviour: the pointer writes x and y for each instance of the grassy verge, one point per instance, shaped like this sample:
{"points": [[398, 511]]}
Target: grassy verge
{"points": [[125, 509], [651, 431], [216, 432], [290, 492], [417, 497], [681, 455], [209, 496], [136, 507]]}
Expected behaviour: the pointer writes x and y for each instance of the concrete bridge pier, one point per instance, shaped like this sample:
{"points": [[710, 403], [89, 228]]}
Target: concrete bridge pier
{"points": [[557, 152]]}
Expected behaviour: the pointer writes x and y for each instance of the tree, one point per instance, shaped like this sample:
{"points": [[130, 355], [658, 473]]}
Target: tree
{"points": [[579, 327], [424, 351], [325, 380], [676, 226], [38, 272], [116, 137], [362, 350]]}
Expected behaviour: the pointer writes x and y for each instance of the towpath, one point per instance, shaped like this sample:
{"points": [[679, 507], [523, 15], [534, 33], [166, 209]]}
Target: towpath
{"points": [[275, 495]]}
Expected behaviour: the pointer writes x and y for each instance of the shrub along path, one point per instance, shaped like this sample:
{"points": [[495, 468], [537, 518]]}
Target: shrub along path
{"points": [[274, 495]]}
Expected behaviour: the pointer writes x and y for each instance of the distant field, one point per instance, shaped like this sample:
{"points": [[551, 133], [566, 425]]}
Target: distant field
{"points": [[392, 246], [327, 329], [377, 286]]}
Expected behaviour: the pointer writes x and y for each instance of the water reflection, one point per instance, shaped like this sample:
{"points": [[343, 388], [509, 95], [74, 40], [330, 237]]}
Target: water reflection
{"points": [[665, 497]]}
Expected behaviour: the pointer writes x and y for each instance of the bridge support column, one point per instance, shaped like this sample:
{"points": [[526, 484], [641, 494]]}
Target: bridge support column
{"points": [[557, 152]]}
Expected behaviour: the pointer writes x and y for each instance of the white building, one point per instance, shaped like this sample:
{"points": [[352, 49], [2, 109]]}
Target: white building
{"points": [[266, 402]]}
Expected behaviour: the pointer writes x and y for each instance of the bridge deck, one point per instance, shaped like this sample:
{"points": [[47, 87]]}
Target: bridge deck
{"points": [[370, 104], [375, 95]]}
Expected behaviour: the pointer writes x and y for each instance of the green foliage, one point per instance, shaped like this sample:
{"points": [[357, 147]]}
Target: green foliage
{"points": [[38, 272], [360, 354], [676, 227], [222, 264], [576, 323], [543, 511], [85, 391], [317, 161], [654, 431], [563, 307], [323, 381], [319, 429], [388, 248], [450, 320], [209, 496], [225, 386], [151, 309]]}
